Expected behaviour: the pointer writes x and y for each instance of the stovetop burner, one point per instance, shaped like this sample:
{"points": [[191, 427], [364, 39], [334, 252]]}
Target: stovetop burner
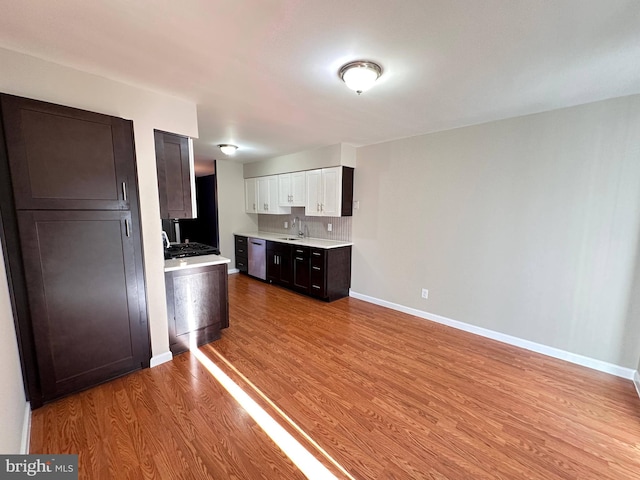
{"points": [[191, 249]]}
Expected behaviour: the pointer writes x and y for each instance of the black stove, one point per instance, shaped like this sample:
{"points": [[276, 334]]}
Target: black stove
{"points": [[191, 249]]}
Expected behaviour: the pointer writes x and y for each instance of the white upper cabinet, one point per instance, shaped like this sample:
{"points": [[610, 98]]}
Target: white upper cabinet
{"points": [[267, 196], [324, 192], [250, 196], [292, 189]]}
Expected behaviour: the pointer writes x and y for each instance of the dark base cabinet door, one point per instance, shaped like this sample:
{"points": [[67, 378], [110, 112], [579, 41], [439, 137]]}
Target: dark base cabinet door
{"points": [[83, 285], [301, 268], [197, 305]]}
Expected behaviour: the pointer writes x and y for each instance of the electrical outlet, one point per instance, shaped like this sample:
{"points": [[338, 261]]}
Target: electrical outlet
{"points": [[286, 224], [425, 293], [329, 227]]}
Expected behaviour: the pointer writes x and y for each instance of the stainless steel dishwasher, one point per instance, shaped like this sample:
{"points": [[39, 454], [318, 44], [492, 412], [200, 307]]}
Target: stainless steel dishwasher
{"points": [[257, 257]]}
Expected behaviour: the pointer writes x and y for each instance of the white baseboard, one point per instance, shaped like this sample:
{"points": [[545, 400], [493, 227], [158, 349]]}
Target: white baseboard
{"points": [[233, 270], [592, 363], [636, 381], [160, 359], [26, 430]]}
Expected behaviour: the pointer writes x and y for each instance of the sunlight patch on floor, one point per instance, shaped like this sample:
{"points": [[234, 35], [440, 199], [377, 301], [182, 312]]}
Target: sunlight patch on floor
{"points": [[300, 456]]}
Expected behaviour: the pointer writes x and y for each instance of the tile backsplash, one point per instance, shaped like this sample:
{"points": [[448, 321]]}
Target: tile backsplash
{"points": [[315, 227]]}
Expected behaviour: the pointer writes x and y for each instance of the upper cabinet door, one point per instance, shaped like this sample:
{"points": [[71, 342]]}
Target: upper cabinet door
{"points": [[62, 158], [175, 176], [250, 195], [314, 193], [262, 186], [284, 189], [331, 192], [292, 188], [298, 189]]}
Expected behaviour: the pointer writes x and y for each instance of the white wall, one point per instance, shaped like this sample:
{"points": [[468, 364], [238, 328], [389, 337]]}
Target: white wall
{"points": [[231, 215], [12, 398], [527, 226], [329, 156], [30, 77]]}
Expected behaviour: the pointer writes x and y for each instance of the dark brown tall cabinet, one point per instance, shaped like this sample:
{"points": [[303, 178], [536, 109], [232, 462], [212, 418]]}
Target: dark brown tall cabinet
{"points": [[73, 250]]}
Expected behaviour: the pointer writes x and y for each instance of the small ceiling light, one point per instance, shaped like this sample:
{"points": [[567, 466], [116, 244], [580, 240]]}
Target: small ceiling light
{"points": [[360, 75], [228, 149]]}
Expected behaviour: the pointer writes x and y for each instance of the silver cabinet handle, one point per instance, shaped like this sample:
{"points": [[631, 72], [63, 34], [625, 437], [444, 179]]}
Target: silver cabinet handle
{"points": [[317, 207], [127, 227], [124, 191], [317, 254], [316, 268], [322, 207], [299, 259], [315, 286], [254, 206]]}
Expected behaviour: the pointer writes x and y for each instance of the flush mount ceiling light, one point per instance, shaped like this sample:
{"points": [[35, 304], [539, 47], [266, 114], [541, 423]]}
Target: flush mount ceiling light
{"points": [[360, 75], [228, 149]]}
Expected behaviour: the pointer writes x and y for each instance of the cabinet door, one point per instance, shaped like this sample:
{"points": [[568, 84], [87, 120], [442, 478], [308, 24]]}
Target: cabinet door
{"points": [[63, 158], [250, 195], [273, 205], [273, 262], [298, 189], [286, 265], [314, 192], [331, 196], [284, 189], [197, 306], [86, 294], [301, 268], [262, 186], [175, 175]]}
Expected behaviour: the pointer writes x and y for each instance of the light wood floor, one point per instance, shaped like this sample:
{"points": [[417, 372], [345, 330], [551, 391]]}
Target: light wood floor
{"points": [[387, 395]]}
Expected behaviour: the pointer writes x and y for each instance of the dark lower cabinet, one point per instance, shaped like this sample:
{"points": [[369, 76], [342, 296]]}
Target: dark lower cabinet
{"points": [[279, 266], [301, 269], [242, 254], [330, 276], [197, 305], [85, 298], [321, 273]]}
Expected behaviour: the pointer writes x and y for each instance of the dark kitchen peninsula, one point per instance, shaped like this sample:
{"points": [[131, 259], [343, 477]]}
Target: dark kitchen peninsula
{"points": [[197, 300]]}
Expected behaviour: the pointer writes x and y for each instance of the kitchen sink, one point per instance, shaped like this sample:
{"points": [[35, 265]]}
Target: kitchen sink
{"points": [[289, 238]]}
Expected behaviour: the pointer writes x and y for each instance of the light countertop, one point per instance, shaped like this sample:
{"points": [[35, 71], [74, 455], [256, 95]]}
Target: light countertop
{"points": [[193, 262], [306, 241]]}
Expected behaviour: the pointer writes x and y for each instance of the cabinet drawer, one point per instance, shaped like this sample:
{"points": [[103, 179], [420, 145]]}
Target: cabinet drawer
{"points": [[242, 264], [241, 241]]}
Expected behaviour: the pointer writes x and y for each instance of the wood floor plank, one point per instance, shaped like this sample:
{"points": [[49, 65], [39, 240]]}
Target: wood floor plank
{"points": [[387, 395]]}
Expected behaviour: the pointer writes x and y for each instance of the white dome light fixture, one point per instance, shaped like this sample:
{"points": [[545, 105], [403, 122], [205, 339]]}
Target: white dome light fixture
{"points": [[228, 149], [360, 75]]}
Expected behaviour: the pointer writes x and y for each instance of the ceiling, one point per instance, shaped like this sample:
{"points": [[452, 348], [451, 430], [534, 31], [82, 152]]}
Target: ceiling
{"points": [[264, 72]]}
